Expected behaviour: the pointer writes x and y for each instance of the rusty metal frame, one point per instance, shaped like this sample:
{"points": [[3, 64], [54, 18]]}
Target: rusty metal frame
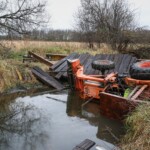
{"points": [[88, 90], [131, 81]]}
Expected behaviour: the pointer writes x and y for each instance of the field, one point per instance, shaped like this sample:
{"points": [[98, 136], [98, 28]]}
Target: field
{"points": [[55, 47]]}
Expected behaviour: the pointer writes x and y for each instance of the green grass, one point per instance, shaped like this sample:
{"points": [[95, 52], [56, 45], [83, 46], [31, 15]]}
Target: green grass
{"points": [[16, 55], [138, 129]]}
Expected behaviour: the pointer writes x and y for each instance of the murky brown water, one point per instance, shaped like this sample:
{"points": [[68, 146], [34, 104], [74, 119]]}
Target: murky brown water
{"points": [[53, 122]]}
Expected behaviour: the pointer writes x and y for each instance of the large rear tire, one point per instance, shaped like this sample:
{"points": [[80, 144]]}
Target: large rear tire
{"points": [[140, 70]]}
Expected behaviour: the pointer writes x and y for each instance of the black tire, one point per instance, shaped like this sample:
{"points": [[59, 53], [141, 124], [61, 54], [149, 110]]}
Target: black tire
{"points": [[140, 70], [103, 65]]}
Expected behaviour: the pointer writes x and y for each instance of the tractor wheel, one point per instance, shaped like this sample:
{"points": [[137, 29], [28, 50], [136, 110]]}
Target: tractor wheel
{"points": [[103, 65], [140, 70]]}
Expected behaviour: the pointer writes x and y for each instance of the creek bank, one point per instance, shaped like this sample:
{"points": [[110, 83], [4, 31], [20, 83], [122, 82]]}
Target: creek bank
{"points": [[137, 130], [23, 90]]}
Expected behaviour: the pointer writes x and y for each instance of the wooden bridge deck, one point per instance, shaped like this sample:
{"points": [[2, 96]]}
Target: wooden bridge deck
{"points": [[122, 63], [46, 78]]}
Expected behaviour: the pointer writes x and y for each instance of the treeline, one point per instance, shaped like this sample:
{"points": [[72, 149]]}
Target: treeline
{"points": [[55, 35], [46, 35], [138, 35]]}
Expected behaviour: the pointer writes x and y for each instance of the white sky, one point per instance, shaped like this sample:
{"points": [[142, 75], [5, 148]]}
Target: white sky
{"points": [[62, 12]]}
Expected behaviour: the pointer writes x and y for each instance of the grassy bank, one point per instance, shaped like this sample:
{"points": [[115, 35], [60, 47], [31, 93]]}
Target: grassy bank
{"points": [[138, 130], [13, 72]]}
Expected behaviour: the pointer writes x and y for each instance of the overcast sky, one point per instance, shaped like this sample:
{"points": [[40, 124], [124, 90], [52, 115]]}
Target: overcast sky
{"points": [[62, 12]]}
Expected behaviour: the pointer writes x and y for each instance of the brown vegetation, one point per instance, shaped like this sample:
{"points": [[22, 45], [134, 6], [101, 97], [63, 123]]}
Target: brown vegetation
{"points": [[43, 47], [138, 129], [14, 54], [13, 71]]}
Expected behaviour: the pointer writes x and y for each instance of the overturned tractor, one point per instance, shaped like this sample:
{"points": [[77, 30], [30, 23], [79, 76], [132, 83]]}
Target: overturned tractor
{"points": [[118, 94]]}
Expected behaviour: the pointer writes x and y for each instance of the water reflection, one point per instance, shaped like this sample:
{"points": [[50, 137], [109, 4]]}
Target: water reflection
{"points": [[109, 130], [18, 122], [52, 122]]}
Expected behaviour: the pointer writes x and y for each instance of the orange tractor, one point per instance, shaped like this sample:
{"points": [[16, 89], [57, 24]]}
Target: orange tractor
{"points": [[118, 94]]}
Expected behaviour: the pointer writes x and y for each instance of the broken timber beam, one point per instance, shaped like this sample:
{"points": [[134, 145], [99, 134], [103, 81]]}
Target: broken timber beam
{"points": [[55, 57], [139, 92], [46, 78], [41, 59], [133, 92], [85, 145]]}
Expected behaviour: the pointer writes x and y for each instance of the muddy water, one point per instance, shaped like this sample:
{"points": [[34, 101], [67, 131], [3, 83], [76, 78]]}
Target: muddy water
{"points": [[53, 122]]}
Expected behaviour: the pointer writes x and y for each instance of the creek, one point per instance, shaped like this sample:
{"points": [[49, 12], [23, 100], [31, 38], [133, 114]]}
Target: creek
{"points": [[53, 121]]}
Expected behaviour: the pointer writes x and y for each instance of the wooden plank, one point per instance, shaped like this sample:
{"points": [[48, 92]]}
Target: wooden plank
{"points": [[85, 145], [83, 58], [64, 67], [89, 68], [41, 59], [118, 59], [55, 57], [133, 60], [139, 92], [88, 63], [46, 78], [64, 64], [125, 64], [134, 90], [121, 65], [61, 61]]}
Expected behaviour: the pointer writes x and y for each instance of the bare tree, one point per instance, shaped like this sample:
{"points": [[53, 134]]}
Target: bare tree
{"points": [[18, 18], [21, 16], [85, 21], [108, 20], [119, 20]]}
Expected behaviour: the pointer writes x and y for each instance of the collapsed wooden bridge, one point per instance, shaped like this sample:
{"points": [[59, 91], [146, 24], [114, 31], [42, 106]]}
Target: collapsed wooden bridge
{"points": [[46, 78], [122, 63]]}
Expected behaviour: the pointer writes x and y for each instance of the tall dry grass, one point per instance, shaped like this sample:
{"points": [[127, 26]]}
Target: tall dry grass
{"points": [[14, 73], [56, 47], [138, 133]]}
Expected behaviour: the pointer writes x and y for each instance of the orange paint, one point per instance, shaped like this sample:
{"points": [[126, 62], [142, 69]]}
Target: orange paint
{"points": [[145, 65], [89, 86], [97, 86], [131, 81]]}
